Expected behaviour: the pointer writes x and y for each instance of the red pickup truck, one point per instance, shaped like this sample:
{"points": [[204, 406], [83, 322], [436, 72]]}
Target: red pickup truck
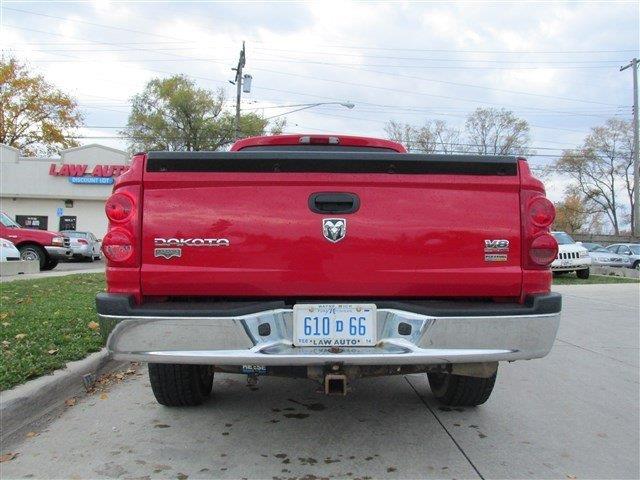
{"points": [[330, 258], [47, 248]]}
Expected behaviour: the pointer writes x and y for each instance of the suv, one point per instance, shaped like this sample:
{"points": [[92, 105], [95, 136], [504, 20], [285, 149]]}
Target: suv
{"points": [[47, 248], [572, 256], [329, 258]]}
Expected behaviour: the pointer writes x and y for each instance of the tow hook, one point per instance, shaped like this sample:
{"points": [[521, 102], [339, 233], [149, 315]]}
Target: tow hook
{"points": [[335, 384]]}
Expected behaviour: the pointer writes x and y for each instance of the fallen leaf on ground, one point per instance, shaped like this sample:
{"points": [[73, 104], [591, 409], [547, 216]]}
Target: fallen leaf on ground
{"points": [[70, 402], [93, 325], [3, 316], [103, 396], [7, 456], [53, 351], [20, 336], [5, 324], [32, 434], [6, 343]]}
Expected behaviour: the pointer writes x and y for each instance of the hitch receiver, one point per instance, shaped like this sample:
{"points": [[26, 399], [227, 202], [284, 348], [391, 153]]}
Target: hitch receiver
{"points": [[335, 384]]}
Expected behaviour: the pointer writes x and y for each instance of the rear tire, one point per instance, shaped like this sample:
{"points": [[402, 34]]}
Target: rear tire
{"points": [[636, 265], [50, 265], [461, 390], [33, 252], [180, 385], [584, 274]]}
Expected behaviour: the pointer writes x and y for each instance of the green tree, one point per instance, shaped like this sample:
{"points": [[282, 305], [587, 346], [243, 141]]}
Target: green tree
{"points": [[35, 117], [174, 114]]}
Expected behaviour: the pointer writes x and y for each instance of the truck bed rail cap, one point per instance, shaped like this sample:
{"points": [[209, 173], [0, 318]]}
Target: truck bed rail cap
{"points": [[331, 162]]}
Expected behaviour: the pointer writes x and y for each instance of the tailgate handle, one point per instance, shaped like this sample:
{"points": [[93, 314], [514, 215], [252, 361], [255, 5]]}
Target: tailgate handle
{"points": [[334, 202]]}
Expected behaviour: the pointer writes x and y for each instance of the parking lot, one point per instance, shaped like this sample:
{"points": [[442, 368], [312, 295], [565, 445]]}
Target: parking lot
{"points": [[573, 414]]}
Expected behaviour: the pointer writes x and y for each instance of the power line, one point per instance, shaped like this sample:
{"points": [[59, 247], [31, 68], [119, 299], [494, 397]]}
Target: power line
{"points": [[76, 20]]}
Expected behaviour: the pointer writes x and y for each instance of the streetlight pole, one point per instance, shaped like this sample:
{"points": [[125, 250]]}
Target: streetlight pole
{"points": [[305, 106], [636, 167]]}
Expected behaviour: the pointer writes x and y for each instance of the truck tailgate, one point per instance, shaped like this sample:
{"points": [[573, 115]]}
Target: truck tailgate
{"points": [[418, 232]]}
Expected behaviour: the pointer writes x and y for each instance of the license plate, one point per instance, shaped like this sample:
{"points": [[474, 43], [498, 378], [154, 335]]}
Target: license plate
{"points": [[566, 263], [348, 325]]}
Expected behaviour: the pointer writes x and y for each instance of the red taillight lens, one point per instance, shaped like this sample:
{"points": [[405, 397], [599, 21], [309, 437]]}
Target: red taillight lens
{"points": [[119, 207], [542, 212], [543, 249], [117, 245]]}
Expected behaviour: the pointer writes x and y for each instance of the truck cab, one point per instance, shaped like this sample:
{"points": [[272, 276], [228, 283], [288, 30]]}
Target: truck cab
{"points": [[47, 248]]}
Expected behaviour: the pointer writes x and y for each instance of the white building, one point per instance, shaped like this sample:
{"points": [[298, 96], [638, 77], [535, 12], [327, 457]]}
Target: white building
{"points": [[66, 193]]}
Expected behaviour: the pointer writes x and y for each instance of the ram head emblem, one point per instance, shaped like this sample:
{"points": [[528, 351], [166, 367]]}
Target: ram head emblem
{"points": [[334, 229]]}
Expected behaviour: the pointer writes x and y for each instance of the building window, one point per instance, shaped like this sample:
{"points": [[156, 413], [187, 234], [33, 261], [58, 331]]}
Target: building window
{"points": [[39, 222], [67, 222]]}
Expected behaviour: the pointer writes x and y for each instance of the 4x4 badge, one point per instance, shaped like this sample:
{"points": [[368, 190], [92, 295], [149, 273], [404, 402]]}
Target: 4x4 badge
{"points": [[334, 229]]}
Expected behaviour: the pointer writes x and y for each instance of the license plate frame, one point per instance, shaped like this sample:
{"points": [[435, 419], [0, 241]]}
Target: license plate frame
{"points": [[335, 312]]}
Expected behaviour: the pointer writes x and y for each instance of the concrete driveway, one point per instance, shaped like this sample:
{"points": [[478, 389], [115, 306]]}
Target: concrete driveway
{"points": [[573, 414]]}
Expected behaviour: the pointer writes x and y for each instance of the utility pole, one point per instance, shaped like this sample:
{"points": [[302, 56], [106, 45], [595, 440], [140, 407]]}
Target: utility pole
{"points": [[636, 167], [238, 82]]}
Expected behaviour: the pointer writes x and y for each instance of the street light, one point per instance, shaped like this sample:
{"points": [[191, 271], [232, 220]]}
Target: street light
{"points": [[305, 106]]}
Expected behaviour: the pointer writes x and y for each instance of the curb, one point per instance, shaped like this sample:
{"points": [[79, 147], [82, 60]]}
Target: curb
{"points": [[39, 275], [30, 403]]}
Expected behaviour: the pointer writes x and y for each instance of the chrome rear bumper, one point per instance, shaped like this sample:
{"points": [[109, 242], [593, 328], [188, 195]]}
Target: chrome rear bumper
{"points": [[236, 340]]}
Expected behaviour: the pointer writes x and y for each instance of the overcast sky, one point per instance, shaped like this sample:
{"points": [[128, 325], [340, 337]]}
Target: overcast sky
{"points": [[556, 64]]}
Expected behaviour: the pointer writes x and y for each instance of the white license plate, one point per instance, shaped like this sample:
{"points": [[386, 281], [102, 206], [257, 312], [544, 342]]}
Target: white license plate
{"points": [[328, 325], [566, 263]]}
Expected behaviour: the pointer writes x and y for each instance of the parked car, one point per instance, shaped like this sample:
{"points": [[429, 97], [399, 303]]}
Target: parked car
{"points": [[601, 256], [8, 251], [84, 245], [572, 257], [47, 248], [330, 258], [629, 250]]}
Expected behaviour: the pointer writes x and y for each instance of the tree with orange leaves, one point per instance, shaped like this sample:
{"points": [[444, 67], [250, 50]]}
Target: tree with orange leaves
{"points": [[35, 117]]}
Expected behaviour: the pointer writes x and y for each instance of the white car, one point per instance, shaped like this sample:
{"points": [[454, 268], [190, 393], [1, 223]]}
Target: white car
{"points": [[572, 257], [8, 251]]}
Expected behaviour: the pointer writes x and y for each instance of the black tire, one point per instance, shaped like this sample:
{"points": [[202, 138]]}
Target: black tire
{"points": [[50, 265], [180, 385], [33, 252], [636, 265], [583, 274], [461, 390]]}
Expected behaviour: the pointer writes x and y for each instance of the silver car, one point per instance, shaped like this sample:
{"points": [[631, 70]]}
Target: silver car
{"points": [[84, 245], [629, 250], [601, 256]]}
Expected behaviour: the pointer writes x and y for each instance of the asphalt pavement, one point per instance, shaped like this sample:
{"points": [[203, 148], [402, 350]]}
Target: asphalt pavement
{"points": [[573, 414]]}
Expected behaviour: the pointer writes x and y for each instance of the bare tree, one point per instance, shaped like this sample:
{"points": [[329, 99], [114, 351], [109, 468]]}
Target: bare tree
{"points": [[497, 132], [602, 169], [433, 137]]}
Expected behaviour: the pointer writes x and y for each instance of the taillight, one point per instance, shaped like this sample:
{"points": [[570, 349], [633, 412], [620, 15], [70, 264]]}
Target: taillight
{"points": [[119, 207], [541, 211], [539, 247], [543, 250], [117, 245]]}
